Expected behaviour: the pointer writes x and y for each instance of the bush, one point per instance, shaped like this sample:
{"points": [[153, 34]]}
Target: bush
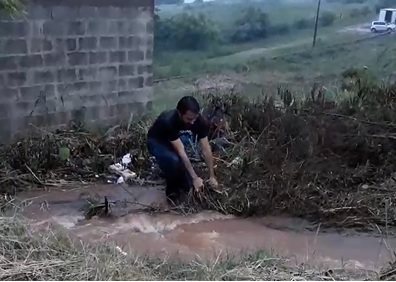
{"points": [[185, 32], [365, 11], [168, 2], [304, 23], [10, 7], [327, 18], [384, 4], [252, 25], [280, 29], [348, 1], [354, 13]]}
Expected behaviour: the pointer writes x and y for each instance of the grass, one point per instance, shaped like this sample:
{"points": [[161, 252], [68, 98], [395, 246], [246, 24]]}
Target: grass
{"points": [[325, 64], [295, 64], [289, 63], [29, 255], [223, 14], [295, 67], [168, 64], [234, 56], [185, 62]]}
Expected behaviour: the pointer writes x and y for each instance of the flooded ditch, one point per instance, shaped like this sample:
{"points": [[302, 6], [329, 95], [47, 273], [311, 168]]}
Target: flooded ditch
{"points": [[133, 227]]}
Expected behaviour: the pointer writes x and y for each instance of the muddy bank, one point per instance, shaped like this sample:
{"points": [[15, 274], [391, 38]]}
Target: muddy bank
{"points": [[207, 234]]}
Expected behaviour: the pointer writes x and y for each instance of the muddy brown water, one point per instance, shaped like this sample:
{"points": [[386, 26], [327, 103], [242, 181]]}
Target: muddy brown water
{"points": [[206, 234]]}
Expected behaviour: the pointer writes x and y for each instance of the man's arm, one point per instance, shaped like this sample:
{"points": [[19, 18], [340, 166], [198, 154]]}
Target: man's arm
{"points": [[179, 147], [207, 154]]}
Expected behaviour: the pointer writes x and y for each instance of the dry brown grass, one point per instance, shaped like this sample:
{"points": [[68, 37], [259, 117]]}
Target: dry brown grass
{"points": [[333, 165]]}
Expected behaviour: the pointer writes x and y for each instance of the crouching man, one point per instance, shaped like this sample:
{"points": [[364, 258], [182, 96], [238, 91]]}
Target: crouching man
{"points": [[166, 141]]}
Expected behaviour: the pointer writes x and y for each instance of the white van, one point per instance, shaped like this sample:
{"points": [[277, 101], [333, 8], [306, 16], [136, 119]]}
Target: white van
{"points": [[381, 26]]}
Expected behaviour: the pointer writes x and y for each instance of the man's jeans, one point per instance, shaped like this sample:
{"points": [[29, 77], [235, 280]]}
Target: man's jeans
{"points": [[178, 180]]}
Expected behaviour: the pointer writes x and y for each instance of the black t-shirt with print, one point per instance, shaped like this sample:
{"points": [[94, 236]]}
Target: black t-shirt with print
{"points": [[168, 127]]}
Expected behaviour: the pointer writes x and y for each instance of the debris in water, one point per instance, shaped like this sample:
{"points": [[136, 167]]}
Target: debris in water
{"points": [[126, 160], [120, 180], [111, 179], [116, 168], [100, 210], [123, 172]]}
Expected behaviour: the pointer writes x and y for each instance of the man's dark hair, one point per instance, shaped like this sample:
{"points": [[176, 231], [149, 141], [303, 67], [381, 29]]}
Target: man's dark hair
{"points": [[188, 103]]}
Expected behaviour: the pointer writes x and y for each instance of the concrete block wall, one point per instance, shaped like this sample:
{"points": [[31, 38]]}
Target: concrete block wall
{"points": [[83, 60]]}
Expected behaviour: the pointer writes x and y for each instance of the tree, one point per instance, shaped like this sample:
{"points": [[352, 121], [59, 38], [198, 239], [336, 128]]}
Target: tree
{"points": [[168, 2], [327, 18], [304, 23], [10, 6], [185, 31], [194, 32], [252, 25], [384, 4]]}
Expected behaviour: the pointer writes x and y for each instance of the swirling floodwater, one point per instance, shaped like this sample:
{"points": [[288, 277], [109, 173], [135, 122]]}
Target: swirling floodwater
{"points": [[207, 234]]}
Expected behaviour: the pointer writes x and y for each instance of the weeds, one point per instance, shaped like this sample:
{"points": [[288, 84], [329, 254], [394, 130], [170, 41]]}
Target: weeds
{"points": [[331, 163]]}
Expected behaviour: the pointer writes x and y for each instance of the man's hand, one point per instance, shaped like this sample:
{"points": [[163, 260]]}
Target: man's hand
{"points": [[214, 185], [198, 184], [213, 182]]}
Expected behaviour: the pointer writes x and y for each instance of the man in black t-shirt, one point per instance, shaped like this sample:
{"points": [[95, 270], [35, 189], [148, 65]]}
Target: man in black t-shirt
{"points": [[165, 144]]}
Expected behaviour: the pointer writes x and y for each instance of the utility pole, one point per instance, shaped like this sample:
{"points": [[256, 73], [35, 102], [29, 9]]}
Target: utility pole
{"points": [[316, 24]]}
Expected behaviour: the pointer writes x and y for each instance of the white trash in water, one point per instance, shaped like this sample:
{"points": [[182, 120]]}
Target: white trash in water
{"points": [[114, 168], [124, 173], [120, 180], [126, 160]]}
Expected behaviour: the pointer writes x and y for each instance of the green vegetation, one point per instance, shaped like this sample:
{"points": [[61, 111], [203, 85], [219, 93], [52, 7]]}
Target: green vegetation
{"points": [[243, 22], [188, 35], [266, 44], [326, 64], [295, 67], [168, 2], [186, 32], [384, 4], [10, 7]]}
